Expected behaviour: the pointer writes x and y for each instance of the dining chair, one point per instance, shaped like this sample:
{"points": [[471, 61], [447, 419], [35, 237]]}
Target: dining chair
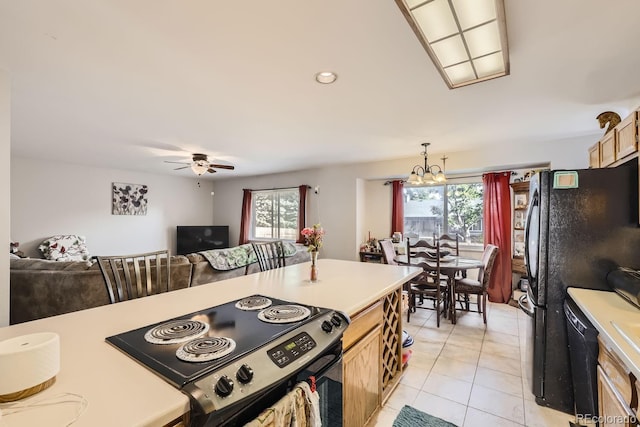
{"points": [[388, 252], [466, 287], [270, 255], [427, 285], [134, 276]]}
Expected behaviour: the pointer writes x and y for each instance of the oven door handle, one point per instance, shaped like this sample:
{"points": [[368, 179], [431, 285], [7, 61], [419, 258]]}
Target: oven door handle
{"points": [[337, 359], [333, 361]]}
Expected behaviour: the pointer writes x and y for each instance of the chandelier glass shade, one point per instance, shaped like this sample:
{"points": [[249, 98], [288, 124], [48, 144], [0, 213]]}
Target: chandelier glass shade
{"points": [[427, 174]]}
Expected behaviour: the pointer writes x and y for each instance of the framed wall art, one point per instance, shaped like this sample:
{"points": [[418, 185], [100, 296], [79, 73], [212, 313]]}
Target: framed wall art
{"points": [[129, 199], [521, 201]]}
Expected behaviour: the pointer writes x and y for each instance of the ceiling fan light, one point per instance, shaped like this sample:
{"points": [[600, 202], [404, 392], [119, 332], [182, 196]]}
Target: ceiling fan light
{"points": [[198, 168]]}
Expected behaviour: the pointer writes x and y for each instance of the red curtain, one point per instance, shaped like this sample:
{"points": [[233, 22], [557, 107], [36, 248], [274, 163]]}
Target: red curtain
{"points": [[302, 212], [497, 231], [245, 219], [397, 208]]}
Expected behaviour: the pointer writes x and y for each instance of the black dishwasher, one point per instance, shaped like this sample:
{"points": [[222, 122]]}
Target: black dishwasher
{"points": [[583, 356]]}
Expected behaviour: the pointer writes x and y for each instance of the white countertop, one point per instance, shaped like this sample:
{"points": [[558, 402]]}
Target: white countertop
{"points": [[121, 392], [606, 310]]}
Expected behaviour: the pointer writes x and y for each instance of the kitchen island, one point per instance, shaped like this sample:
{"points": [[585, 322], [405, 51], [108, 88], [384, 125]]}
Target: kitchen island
{"points": [[120, 391]]}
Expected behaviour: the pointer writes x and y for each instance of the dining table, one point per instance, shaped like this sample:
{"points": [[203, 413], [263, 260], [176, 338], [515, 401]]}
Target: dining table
{"points": [[449, 266]]}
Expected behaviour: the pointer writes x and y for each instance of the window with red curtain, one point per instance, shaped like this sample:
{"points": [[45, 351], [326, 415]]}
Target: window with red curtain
{"points": [[497, 231], [278, 213]]}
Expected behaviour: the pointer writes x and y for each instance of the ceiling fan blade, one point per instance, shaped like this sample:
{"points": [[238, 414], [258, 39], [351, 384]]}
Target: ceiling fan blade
{"points": [[183, 167], [211, 170], [213, 165], [180, 163]]}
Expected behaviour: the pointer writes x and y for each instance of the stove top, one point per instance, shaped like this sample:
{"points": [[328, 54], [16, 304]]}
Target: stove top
{"points": [[176, 349]]}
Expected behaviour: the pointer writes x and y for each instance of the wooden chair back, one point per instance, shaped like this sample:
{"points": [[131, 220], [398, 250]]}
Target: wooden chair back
{"points": [[388, 252], [449, 243], [270, 255], [134, 276], [422, 252], [420, 246]]}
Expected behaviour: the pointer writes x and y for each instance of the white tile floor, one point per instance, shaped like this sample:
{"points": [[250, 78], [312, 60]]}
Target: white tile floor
{"points": [[468, 374]]}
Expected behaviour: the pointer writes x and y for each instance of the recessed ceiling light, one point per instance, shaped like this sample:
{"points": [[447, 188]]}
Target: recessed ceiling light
{"points": [[326, 77]]}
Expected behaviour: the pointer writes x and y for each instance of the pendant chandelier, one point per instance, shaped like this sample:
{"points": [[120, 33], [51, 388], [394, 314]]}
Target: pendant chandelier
{"points": [[427, 174]]}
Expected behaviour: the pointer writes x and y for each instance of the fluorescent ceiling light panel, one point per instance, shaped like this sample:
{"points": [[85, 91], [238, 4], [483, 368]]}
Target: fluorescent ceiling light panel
{"points": [[474, 12], [460, 73], [435, 19], [483, 40], [488, 65], [450, 51], [465, 39]]}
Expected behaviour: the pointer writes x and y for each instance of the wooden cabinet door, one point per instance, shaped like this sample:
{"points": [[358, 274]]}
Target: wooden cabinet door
{"points": [[627, 133], [362, 380], [614, 412], [608, 149], [594, 156]]}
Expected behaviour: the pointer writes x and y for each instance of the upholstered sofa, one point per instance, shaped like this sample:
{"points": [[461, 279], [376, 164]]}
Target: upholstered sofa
{"points": [[42, 288]]}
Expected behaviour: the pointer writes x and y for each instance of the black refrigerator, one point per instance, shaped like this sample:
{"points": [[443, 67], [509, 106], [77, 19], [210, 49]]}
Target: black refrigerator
{"points": [[581, 224]]}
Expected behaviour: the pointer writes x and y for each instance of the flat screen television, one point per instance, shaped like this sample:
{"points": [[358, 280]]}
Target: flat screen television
{"points": [[196, 238]]}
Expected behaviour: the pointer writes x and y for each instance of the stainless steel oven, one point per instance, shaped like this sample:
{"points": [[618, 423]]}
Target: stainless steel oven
{"points": [[324, 374]]}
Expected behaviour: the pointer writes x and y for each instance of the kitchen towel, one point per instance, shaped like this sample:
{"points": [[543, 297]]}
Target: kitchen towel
{"points": [[298, 408]]}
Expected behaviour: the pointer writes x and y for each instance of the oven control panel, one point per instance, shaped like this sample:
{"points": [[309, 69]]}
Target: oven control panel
{"points": [[270, 365], [291, 350]]}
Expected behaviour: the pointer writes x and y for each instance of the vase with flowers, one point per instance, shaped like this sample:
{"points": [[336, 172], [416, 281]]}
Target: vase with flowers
{"points": [[313, 239]]}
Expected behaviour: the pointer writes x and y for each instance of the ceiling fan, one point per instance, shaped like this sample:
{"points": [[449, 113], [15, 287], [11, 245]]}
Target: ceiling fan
{"points": [[200, 165]]}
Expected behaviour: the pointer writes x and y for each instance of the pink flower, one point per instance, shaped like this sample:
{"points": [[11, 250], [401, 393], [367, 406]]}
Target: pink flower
{"points": [[313, 237]]}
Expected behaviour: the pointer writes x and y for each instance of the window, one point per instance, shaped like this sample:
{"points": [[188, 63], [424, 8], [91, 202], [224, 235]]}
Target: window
{"points": [[275, 214], [445, 209]]}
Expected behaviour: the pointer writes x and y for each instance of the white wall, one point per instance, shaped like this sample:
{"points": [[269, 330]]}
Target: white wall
{"points": [[5, 199], [49, 199], [348, 216]]}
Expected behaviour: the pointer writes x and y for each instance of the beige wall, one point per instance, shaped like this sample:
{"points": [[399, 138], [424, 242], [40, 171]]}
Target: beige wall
{"points": [[5, 151], [348, 215], [49, 199]]}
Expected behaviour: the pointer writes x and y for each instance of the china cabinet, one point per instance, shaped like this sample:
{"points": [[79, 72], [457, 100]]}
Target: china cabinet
{"points": [[520, 204]]}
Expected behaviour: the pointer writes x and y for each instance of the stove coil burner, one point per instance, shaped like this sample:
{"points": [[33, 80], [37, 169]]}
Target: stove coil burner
{"points": [[284, 314], [176, 331], [205, 349], [253, 303]]}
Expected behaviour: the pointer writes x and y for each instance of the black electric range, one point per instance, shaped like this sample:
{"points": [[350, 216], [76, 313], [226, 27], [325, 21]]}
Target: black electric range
{"points": [[225, 356]]}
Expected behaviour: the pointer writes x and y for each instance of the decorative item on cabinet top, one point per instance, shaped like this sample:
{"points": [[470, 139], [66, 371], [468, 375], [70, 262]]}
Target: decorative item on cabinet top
{"points": [[608, 117]]}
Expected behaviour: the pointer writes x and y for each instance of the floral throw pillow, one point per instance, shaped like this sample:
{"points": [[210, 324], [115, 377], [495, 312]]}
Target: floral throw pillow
{"points": [[65, 248]]}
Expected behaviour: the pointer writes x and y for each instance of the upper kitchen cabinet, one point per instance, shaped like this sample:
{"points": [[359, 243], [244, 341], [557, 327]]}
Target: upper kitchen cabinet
{"points": [[618, 145], [627, 136], [594, 155], [608, 149]]}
